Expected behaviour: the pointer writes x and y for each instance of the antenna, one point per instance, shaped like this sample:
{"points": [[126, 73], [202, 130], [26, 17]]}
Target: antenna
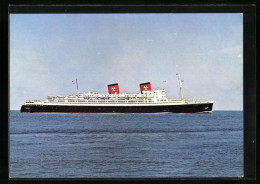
{"points": [[77, 87], [180, 84]]}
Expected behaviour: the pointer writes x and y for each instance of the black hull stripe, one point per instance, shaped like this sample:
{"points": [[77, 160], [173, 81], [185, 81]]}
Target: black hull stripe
{"points": [[191, 108]]}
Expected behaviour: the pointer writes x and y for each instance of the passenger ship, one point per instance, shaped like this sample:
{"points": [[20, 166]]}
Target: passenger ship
{"points": [[147, 101]]}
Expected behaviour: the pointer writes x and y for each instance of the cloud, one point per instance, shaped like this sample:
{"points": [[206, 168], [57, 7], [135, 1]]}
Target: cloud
{"points": [[229, 50], [238, 50], [200, 54], [150, 40]]}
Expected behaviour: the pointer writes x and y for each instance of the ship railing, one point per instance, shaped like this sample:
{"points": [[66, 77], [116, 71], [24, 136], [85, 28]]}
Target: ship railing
{"points": [[194, 100], [198, 100], [33, 101], [174, 100], [190, 100]]}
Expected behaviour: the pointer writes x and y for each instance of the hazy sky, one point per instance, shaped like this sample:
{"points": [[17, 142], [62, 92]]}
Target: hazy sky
{"points": [[48, 51]]}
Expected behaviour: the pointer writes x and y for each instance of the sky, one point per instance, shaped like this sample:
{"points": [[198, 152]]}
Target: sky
{"points": [[48, 51]]}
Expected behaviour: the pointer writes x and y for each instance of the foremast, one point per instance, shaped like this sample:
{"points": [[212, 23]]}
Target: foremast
{"points": [[77, 86], [77, 89]]}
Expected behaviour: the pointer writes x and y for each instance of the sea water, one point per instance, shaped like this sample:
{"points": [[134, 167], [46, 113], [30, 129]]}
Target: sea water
{"points": [[57, 145]]}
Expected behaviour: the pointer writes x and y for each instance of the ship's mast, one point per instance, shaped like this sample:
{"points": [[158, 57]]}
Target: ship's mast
{"points": [[77, 90], [180, 83], [77, 87]]}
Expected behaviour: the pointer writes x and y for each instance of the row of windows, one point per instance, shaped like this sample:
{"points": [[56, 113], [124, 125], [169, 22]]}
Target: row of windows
{"points": [[161, 100], [103, 103], [81, 101], [72, 100]]}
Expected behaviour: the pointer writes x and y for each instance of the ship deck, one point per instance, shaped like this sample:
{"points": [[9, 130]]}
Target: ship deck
{"points": [[120, 103]]}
